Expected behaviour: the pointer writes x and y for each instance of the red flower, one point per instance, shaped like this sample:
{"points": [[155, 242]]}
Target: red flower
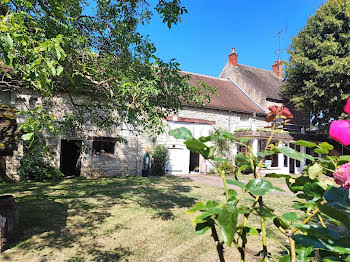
{"points": [[285, 112], [339, 130], [279, 112], [273, 109]]}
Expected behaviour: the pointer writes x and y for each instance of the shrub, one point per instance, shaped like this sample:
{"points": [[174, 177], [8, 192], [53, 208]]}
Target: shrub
{"points": [[159, 160], [223, 147], [243, 160], [212, 171], [228, 168], [33, 167]]}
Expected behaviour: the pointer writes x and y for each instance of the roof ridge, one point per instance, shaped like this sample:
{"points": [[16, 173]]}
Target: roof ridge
{"points": [[214, 77], [256, 68], [262, 70]]}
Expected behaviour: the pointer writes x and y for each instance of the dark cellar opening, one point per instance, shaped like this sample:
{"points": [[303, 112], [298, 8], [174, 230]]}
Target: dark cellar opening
{"points": [[194, 161], [70, 157]]}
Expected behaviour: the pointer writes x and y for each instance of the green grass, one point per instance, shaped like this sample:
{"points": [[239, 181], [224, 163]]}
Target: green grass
{"points": [[118, 219]]}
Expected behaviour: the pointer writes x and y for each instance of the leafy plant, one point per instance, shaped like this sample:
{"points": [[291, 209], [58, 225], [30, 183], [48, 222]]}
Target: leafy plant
{"points": [[322, 203], [33, 167], [160, 158], [67, 47], [223, 147], [228, 168], [321, 51]]}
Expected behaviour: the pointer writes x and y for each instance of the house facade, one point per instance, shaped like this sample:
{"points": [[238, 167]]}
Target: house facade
{"points": [[244, 94]]}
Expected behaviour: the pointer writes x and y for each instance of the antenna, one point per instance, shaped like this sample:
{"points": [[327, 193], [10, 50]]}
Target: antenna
{"points": [[279, 45]]}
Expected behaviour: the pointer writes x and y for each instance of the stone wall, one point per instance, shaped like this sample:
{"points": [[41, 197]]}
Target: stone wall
{"points": [[224, 119], [127, 158], [254, 94]]}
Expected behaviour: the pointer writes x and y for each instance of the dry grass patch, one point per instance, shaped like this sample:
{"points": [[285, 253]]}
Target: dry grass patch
{"points": [[117, 219]]}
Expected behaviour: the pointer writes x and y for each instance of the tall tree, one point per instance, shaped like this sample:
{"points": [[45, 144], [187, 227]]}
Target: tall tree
{"points": [[318, 72], [93, 48]]}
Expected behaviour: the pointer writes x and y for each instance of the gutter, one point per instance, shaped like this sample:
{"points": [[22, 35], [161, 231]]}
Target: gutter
{"points": [[245, 93], [225, 109]]}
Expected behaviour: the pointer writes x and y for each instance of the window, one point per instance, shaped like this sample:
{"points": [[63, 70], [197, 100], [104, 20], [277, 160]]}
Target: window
{"points": [[103, 145], [285, 158], [311, 152], [261, 145], [297, 162], [5, 97]]}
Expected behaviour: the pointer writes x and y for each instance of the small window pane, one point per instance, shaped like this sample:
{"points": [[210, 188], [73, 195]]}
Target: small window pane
{"points": [[5, 97]]}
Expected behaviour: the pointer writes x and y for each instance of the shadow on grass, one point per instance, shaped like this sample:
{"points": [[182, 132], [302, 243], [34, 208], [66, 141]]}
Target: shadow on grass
{"points": [[45, 207]]}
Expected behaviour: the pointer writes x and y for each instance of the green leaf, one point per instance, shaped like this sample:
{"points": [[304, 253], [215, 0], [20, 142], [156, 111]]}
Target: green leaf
{"points": [[195, 145], [305, 143], [313, 191], [8, 39], [345, 158], [338, 205], [325, 145], [290, 216], [198, 206], [260, 187], [279, 222], [27, 136], [285, 258], [251, 231], [326, 244], [319, 232], [236, 183], [307, 156], [297, 184], [201, 217], [204, 227], [232, 193], [181, 133], [315, 171], [244, 139], [265, 154], [321, 151], [303, 253], [290, 152], [208, 152], [274, 175], [227, 222], [59, 70]]}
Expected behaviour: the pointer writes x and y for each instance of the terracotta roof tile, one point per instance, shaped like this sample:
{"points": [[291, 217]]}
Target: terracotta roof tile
{"points": [[262, 80], [228, 97]]}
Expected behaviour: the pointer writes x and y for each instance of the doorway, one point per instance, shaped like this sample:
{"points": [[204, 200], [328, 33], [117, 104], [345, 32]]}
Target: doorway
{"points": [[70, 157], [194, 161], [291, 162], [2, 168]]}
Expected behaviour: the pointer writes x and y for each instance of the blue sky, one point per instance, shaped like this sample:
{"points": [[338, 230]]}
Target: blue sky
{"points": [[207, 33]]}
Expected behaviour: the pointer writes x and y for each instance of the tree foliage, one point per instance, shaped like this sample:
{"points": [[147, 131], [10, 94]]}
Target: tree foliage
{"points": [[318, 73], [94, 49]]}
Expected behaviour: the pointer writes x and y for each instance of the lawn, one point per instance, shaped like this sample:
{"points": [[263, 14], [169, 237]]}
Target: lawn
{"points": [[118, 219]]}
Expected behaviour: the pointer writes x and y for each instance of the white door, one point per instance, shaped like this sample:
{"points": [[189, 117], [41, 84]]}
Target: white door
{"points": [[178, 160]]}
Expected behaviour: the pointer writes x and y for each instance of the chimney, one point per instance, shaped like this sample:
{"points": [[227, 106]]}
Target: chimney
{"points": [[233, 57], [277, 68]]}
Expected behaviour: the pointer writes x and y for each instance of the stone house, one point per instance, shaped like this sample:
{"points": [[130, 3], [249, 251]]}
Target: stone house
{"points": [[244, 93]]}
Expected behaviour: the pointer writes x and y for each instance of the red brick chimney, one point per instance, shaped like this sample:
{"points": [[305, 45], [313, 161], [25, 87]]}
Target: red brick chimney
{"points": [[233, 57], [277, 68]]}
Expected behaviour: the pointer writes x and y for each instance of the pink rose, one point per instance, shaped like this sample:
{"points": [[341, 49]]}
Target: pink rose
{"points": [[342, 176], [347, 107], [340, 129]]}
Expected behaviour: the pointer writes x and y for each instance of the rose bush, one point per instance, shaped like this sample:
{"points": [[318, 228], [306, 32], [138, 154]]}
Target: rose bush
{"points": [[323, 203]]}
